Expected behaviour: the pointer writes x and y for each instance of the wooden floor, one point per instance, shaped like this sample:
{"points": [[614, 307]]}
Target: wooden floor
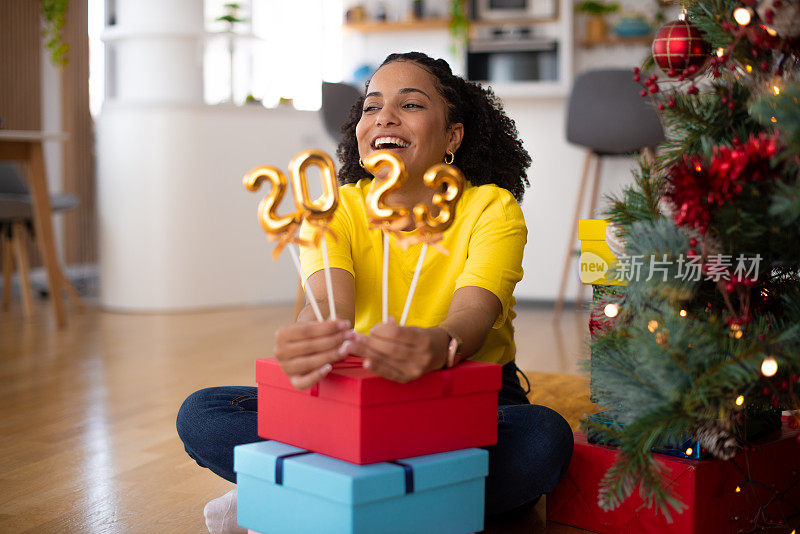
{"points": [[87, 414]]}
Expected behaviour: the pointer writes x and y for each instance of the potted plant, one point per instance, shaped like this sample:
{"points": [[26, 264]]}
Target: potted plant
{"points": [[596, 28], [54, 13]]}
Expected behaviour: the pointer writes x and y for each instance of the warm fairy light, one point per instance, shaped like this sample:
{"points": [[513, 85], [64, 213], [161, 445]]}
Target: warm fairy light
{"points": [[765, 292], [769, 30], [683, 313], [689, 451], [738, 489], [769, 366], [698, 168], [652, 325], [611, 310], [776, 90], [661, 339], [739, 400], [773, 119], [748, 68], [736, 331], [742, 15]]}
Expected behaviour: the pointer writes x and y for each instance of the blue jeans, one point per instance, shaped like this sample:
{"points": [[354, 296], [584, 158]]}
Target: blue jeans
{"points": [[533, 450]]}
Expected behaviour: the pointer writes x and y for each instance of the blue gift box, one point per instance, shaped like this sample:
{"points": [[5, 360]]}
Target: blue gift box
{"points": [[282, 488]]}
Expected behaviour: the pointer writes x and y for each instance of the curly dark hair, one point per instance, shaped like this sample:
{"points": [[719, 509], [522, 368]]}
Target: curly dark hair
{"points": [[490, 152]]}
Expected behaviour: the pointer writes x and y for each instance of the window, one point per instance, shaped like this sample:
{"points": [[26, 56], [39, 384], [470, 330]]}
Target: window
{"points": [[284, 50]]}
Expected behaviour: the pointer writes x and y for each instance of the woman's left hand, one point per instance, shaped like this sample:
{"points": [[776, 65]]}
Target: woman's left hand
{"points": [[400, 353]]}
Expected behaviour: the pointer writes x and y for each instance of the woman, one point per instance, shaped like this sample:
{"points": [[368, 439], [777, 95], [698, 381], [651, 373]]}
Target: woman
{"points": [[463, 307]]}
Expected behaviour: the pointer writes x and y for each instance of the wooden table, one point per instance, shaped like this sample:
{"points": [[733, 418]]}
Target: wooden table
{"points": [[26, 146]]}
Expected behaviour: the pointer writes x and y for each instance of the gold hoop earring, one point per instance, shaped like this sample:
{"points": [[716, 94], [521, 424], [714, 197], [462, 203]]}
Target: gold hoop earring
{"points": [[361, 163], [452, 157]]}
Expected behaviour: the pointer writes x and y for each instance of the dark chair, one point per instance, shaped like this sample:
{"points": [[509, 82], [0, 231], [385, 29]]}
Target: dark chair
{"points": [[337, 100], [16, 224], [607, 116]]}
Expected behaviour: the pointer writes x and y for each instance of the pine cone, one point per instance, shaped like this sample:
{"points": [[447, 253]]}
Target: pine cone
{"points": [[717, 440]]}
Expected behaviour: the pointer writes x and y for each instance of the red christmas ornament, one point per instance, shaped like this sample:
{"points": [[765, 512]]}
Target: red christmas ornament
{"points": [[697, 188], [678, 46]]}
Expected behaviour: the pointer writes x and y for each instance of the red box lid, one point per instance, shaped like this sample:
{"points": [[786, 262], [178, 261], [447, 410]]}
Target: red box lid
{"points": [[349, 382]]}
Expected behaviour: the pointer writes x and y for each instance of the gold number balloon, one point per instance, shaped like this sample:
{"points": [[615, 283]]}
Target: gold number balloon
{"points": [[273, 224], [377, 207], [323, 208], [453, 181]]}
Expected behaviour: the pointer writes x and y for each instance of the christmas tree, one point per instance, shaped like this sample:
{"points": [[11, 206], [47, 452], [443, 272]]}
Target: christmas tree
{"points": [[703, 339]]}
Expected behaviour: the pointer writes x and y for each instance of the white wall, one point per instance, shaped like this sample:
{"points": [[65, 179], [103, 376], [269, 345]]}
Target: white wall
{"points": [[177, 228], [50, 83]]}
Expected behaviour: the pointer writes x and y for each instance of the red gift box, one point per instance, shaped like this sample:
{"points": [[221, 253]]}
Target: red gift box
{"points": [[707, 487], [362, 418]]}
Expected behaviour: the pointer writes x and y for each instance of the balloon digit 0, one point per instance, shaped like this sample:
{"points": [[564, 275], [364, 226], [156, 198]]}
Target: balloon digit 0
{"points": [[324, 207]]}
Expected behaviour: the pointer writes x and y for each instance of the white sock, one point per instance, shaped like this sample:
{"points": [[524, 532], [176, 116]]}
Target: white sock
{"points": [[220, 515]]}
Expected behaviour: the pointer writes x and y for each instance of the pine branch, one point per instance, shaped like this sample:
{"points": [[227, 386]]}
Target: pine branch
{"points": [[698, 122], [785, 203], [781, 112], [635, 465], [708, 16], [638, 202]]}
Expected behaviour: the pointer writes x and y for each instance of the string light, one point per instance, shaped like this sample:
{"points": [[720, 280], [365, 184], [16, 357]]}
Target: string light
{"points": [[765, 292], [611, 310], [661, 338], [742, 15], [720, 52], [773, 119], [769, 366], [698, 168], [738, 489], [769, 30], [689, 451], [776, 90], [652, 325], [748, 68], [736, 331], [739, 400], [684, 313]]}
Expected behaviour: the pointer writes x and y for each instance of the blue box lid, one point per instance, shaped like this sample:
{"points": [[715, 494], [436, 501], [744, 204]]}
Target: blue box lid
{"points": [[340, 481]]}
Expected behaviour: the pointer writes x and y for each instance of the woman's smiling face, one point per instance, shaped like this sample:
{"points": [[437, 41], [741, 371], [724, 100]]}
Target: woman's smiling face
{"points": [[405, 114]]}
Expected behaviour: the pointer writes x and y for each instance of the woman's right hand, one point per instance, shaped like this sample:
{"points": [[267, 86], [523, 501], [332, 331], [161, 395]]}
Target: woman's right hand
{"points": [[307, 350]]}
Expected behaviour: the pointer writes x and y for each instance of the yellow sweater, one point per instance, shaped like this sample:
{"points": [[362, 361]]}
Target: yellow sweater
{"points": [[486, 242]]}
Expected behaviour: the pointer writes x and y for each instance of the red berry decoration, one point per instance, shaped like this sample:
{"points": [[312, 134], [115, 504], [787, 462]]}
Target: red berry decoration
{"points": [[679, 46]]}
